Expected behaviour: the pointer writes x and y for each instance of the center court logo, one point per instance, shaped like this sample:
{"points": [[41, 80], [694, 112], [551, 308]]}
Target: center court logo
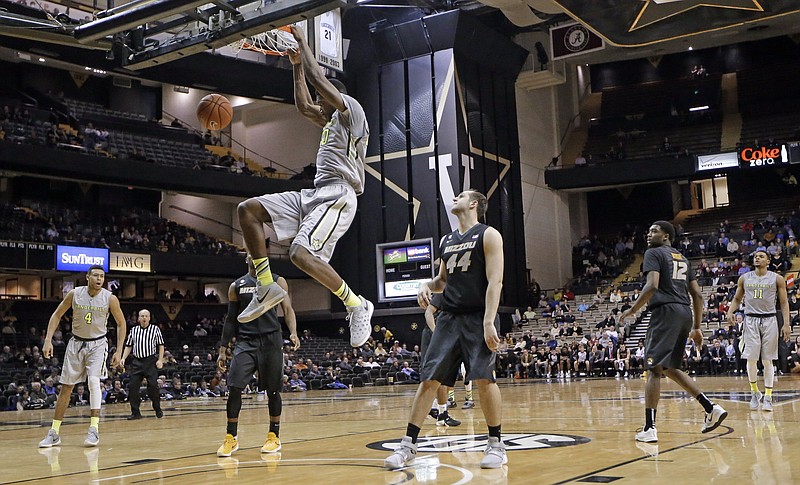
{"points": [[477, 442]]}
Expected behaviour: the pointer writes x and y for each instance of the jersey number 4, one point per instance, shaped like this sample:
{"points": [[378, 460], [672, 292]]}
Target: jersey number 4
{"points": [[679, 269], [462, 263], [88, 318]]}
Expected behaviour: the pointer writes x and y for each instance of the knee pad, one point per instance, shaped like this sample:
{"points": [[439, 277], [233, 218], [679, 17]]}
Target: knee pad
{"points": [[95, 396], [234, 404], [275, 403]]}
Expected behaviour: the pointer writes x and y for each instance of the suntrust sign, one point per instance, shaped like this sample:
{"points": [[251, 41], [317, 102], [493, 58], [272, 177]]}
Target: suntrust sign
{"points": [[74, 258], [134, 262]]}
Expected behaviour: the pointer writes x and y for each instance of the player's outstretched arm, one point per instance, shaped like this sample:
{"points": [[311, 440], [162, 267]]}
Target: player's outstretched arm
{"points": [[430, 318], [288, 314], [697, 312], [314, 73], [737, 300], [302, 97], [52, 325], [122, 328], [493, 251], [228, 328], [649, 289], [783, 300]]}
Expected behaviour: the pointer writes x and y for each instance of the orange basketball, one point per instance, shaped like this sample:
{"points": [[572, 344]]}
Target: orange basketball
{"points": [[214, 112]]}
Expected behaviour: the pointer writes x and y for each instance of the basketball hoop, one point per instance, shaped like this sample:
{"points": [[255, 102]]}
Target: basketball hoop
{"points": [[275, 42]]}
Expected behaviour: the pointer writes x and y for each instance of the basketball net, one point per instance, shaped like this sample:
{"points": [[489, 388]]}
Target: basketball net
{"points": [[273, 42]]}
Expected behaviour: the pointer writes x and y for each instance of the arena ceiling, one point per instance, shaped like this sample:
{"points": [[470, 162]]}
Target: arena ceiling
{"points": [[156, 39]]}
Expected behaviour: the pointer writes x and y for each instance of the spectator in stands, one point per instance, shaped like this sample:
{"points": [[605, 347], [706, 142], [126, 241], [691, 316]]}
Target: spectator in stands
{"points": [[199, 331], [80, 397], [580, 161], [117, 394], [717, 358], [186, 356], [295, 384], [6, 355], [8, 328], [380, 352], [221, 389], [409, 371]]}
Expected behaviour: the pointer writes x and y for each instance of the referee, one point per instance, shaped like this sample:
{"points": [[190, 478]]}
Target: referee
{"points": [[143, 341]]}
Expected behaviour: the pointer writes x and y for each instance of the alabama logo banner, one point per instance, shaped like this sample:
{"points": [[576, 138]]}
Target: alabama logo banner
{"points": [[573, 40]]}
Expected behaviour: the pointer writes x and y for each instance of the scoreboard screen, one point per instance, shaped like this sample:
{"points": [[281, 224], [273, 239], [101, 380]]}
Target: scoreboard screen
{"points": [[402, 266], [12, 254], [27, 255]]}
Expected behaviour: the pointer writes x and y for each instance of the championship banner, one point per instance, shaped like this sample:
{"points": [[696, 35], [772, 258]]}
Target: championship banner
{"points": [[573, 40], [172, 310], [133, 262], [328, 40]]}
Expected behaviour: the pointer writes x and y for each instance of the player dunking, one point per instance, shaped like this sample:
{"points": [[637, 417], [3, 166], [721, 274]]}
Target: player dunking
{"points": [[758, 289], [471, 278], [85, 358], [670, 283], [315, 218], [259, 347]]}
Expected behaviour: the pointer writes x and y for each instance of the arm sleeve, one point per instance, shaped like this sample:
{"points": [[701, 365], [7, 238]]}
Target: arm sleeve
{"points": [[229, 329], [159, 337], [651, 262]]}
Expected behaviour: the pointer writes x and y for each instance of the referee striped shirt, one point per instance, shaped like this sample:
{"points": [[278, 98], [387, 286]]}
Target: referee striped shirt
{"points": [[145, 341]]}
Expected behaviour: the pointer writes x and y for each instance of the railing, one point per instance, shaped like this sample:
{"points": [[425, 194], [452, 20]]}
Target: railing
{"points": [[228, 141]]}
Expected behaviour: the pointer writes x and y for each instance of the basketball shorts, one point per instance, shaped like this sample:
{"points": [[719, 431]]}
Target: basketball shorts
{"points": [[83, 359], [458, 338], [760, 337], [665, 342], [314, 218], [263, 354], [423, 348]]}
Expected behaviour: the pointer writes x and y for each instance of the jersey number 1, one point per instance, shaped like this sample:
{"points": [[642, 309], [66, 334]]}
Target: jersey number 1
{"points": [[679, 269]]}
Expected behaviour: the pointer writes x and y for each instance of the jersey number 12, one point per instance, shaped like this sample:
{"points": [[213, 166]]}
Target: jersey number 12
{"points": [[679, 269]]}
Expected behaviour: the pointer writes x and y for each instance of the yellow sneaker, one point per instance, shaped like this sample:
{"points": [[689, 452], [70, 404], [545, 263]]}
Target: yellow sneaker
{"points": [[230, 445], [272, 445]]}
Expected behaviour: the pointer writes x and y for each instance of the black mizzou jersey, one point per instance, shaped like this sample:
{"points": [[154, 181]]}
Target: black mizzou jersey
{"points": [[465, 262], [245, 286], [675, 273]]}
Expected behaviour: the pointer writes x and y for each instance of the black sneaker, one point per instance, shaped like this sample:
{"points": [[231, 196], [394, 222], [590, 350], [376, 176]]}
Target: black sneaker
{"points": [[434, 413], [134, 416], [159, 413], [448, 421]]}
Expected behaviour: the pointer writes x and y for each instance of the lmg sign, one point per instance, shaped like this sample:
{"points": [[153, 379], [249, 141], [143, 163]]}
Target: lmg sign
{"points": [[133, 262]]}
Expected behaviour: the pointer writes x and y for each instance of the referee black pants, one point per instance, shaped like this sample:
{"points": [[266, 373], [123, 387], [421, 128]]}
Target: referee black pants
{"points": [[145, 367]]}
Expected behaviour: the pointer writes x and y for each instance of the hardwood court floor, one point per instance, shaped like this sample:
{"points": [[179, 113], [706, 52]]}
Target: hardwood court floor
{"points": [[559, 432]]}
